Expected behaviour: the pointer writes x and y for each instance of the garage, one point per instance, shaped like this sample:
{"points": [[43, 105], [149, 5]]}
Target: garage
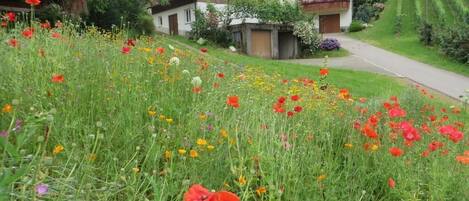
{"points": [[329, 23], [261, 45]]}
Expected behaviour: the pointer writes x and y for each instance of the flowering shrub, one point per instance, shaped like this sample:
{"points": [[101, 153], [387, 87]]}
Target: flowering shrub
{"points": [[308, 35], [329, 44]]}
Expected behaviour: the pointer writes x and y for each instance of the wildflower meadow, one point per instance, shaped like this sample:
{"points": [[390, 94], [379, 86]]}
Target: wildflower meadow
{"points": [[93, 115]]}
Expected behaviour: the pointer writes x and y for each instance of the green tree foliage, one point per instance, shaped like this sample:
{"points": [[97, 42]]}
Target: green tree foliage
{"points": [[273, 11]]}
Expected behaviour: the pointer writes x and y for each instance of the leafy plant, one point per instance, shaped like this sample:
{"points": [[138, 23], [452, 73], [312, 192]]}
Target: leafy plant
{"points": [[454, 42], [356, 26], [207, 26], [309, 36]]}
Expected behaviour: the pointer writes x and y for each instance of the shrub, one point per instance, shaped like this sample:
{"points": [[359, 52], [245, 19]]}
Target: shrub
{"points": [[329, 44], [144, 24], [365, 13], [454, 42], [207, 26], [52, 13], [309, 36], [426, 33], [356, 26]]}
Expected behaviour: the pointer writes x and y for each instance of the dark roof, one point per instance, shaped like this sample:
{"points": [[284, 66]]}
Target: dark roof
{"points": [[172, 4]]}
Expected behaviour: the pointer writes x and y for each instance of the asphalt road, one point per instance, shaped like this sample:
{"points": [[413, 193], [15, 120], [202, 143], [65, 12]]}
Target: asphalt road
{"points": [[366, 57]]}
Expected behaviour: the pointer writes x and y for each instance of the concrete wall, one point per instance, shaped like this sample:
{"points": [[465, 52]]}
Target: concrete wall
{"points": [[345, 17]]}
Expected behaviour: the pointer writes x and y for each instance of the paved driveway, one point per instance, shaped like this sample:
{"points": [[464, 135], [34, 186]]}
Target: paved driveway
{"points": [[370, 58]]}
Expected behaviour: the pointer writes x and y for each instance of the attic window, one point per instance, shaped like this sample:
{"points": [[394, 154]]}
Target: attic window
{"points": [[160, 20], [188, 15]]}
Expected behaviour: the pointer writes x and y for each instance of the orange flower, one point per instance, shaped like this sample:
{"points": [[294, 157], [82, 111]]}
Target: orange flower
{"points": [[233, 101], [395, 151], [7, 108], [464, 159], [57, 78], [324, 71], [391, 183]]}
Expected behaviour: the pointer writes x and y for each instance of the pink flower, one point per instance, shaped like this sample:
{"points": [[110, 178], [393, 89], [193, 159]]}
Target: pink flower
{"points": [[126, 50], [42, 189]]}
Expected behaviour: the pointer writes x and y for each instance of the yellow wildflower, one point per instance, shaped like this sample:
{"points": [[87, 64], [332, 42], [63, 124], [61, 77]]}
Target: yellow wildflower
{"points": [[223, 133], [203, 116], [210, 147], [58, 149], [321, 177], [151, 113], [136, 170], [162, 117], [374, 147], [92, 157], [168, 154], [181, 151], [261, 190], [194, 154], [7, 108], [242, 180], [348, 145], [201, 142], [151, 60], [169, 120]]}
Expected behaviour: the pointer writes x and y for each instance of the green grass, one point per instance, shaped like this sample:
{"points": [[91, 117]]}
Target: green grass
{"points": [[331, 54], [356, 81], [407, 44], [148, 124]]}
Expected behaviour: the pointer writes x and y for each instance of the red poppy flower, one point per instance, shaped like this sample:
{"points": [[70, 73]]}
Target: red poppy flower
{"points": [[126, 50], [221, 75], [463, 159], [131, 42], [356, 125], [204, 50], [28, 33], [33, 2], [324, 71], [362, 100], [45, 25], [295, 98], [290, 113], [13, 42], [285, 81], [11, 16], [4, 24], [344, 94], [396, 112], [199, 193], [160, 50], [453, 133], [233, 101], [281, 100], [278, 108], [391, 183], [298, 108], [58, 78], [58, 24], [433, 146], [197, 90], [395, 151], [56, 35], [369, 131]]}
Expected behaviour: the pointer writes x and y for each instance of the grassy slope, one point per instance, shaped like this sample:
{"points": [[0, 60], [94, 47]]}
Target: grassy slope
{"points": [[360, 83], [408, 43]]}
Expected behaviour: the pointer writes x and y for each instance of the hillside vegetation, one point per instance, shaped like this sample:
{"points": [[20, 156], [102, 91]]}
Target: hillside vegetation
{"points": [[98, 116], [398, 29]]}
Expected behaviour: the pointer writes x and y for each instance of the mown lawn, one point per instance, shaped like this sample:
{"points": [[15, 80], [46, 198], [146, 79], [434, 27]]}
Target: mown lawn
{"points": [[407, 43], [86, 115]]}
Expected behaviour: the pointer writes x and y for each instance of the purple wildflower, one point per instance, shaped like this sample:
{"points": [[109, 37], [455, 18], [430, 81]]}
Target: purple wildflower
{"points": [[18, 125], [42, 189], [4, 134]]}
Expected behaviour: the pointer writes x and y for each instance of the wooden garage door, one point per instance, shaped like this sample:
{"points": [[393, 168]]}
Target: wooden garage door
{"points": [[329, 23], [173, 24], [261, 43]]}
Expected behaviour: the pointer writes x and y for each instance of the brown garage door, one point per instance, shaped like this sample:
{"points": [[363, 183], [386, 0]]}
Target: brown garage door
{"points": [[261, 43], [173, 24], [329, 23]]}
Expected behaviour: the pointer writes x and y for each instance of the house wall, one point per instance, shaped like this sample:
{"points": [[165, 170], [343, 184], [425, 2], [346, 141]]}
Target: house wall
{"points": [[345, 17], [183, 27]]}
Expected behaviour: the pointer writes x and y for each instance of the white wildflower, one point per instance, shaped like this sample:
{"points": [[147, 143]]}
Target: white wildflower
{"points": [[174, 61], [196, 81]]}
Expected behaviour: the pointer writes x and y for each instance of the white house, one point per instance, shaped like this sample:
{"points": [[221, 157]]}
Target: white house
{"points": [[176, 18]]}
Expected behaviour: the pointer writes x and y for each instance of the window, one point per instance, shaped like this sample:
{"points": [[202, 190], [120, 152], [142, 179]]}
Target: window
{"points": [[160, 20], [188, 15]]}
